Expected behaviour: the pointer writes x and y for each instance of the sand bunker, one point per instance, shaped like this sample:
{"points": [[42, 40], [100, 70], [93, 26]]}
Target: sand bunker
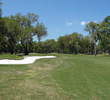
{"points": [[26, 60]]}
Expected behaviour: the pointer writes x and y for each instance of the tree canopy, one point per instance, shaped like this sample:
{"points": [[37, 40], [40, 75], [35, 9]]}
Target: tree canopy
{"points": [[18, 32]]}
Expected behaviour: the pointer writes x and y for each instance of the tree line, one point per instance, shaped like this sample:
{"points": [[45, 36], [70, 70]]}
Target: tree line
{"points": [[97, 41], [18, 32]]}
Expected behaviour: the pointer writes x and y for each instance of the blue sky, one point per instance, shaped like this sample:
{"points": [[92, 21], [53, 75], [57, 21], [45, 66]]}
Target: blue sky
{"points": [[61, 16]]}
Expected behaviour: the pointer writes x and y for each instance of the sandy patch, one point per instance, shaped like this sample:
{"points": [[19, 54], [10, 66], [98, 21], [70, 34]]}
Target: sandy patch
{"points": [[26, 60]]}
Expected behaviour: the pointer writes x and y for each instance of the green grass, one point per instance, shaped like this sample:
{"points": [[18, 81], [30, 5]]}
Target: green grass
{"points": [[42, 54], [9, 56], [67, 77]]}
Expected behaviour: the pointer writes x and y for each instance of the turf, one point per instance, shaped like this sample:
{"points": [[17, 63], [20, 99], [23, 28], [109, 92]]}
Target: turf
{"points": [[9, 56], [67, 77]]}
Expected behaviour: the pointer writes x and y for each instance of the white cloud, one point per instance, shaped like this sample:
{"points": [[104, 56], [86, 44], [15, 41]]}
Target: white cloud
{"points": [[69, 23], [95, 21], [83, 23]]}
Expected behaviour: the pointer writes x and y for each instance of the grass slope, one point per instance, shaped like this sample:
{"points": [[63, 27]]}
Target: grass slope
{"points": [[9, 56], [68, 77]]}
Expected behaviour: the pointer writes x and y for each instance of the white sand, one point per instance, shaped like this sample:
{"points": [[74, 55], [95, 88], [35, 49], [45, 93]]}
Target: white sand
{"points": [[26, 60]]}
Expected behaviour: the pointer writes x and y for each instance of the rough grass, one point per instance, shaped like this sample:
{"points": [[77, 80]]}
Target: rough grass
{"points": [[9, 56], [67, 77]]}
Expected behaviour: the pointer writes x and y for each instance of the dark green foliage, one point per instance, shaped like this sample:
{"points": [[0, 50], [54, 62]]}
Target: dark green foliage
{"points": [[0, 9], [48, 46], [40, 30], [18, 32], [105, 35], [70, 43], [3, 41]]}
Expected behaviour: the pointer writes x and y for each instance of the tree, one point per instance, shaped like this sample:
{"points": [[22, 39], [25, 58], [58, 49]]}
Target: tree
{"points": [[3, 38], [69, 43], [26, 30], [105, 34], [85, 45], [40, 31], [0, 9], [63, 46], [12, 34], [93, 29], [49, 46], [74, 42]]}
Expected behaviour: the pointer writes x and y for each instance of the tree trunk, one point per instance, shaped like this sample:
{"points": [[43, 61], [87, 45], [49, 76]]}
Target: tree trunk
{"points": [[11, 49], [39, 39], [26, 52], [109, 51], [95, 51], [12, 52]]}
